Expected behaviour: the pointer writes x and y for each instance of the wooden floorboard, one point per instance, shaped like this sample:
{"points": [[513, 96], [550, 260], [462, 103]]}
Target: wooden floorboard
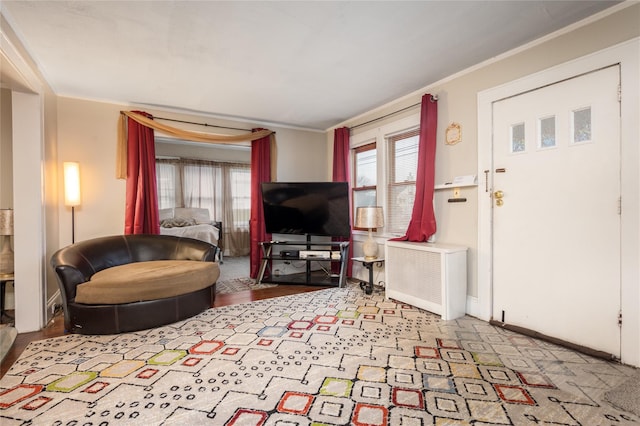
{"points": [[56, 327]]}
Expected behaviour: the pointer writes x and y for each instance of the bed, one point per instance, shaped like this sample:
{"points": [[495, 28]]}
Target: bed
{"points": [[192, 223]]}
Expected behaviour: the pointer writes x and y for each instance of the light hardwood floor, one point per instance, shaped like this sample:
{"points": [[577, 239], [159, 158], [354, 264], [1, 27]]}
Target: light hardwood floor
{"points": [[56, 327]]}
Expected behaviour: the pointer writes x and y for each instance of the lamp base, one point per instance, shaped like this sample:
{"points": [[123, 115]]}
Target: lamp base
{"points": [[6, 256], [370, 249]]}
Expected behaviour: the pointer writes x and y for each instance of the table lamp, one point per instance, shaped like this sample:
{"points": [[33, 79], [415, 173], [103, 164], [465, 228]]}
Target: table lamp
{"points": [[6, 231], [369, 217]]}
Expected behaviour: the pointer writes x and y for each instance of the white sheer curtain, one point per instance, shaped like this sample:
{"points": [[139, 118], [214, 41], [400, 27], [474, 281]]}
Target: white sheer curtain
{"points": [[222, 188], [202, 186], [238, 193], [168, 183]]}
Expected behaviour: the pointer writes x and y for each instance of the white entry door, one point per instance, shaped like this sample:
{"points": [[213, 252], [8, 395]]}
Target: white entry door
{"points": [[556, 218]]}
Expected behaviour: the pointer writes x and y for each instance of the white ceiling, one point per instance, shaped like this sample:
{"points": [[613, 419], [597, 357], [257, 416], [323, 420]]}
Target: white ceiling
{"points": [[304, 64]]}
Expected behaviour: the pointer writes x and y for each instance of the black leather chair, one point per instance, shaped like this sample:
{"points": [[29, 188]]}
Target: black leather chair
{"points": [[76, 264]]}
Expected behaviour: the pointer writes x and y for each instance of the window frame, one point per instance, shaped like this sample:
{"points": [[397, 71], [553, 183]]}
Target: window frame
{"points": [[379, 135], [371, 146], [390, 183]]}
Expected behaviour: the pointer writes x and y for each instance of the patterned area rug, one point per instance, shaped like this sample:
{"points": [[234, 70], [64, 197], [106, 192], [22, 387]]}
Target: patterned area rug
{"points": [[239, 284], [329, 357], [626, 395]]}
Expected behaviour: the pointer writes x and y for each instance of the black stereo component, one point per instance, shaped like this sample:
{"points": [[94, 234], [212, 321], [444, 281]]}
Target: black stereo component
{"points": [[289, 253]]}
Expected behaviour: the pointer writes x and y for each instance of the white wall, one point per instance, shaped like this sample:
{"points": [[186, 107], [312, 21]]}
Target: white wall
{"points": [[87, 133]]}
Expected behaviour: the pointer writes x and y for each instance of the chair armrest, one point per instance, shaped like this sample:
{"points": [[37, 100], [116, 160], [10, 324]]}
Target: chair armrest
{"points": [[68, 279]]}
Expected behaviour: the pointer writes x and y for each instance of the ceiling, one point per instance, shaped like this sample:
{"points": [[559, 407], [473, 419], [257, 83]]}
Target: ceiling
{"points": [[303, 64]]}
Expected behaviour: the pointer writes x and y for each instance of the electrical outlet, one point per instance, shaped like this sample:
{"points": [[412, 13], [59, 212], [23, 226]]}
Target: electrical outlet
{"points": [[456, 192]]}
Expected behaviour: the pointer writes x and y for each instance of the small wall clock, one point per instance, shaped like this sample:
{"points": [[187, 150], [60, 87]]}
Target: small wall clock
{"points": [[453, 134]]}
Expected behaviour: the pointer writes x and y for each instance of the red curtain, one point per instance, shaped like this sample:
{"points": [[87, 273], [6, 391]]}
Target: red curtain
{"points": [[341, 155], [341, 173], [141, 208], [423, 221], [260, 172]]}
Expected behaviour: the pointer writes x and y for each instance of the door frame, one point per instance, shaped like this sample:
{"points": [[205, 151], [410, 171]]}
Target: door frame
{"points": [[30, 263], [626, 54]]}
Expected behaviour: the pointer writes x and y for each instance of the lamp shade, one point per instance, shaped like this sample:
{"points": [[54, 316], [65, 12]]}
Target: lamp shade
{"points": [[6, 222], [71, 183], [369, 217]]}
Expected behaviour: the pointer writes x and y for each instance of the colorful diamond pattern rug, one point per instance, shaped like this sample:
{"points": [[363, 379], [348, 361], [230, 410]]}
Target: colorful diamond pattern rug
{"points": [[330, 357]]}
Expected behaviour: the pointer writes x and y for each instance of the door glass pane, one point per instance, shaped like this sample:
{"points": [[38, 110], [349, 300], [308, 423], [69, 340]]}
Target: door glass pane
{"points": [[547, 132], [582, 125], [517, 138]]}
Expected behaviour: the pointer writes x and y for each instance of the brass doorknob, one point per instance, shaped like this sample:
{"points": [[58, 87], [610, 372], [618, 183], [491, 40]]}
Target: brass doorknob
{"points": [[498, 196]]}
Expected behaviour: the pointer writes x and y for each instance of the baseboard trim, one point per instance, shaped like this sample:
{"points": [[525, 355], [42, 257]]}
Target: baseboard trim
{"points": [[54, 301]]}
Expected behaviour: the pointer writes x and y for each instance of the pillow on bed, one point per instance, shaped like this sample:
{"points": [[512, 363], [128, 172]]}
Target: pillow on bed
{"points": [[177, 222], [200, 215]]}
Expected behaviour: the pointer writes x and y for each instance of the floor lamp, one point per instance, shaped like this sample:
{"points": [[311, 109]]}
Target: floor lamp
{"points": [[72, 191]]}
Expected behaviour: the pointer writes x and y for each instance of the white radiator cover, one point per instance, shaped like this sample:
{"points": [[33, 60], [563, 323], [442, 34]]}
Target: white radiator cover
{"points": [[429, 276]]}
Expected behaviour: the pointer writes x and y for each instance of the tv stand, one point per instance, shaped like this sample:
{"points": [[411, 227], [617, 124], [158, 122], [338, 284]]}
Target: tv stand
{"points": [[328, 251]]}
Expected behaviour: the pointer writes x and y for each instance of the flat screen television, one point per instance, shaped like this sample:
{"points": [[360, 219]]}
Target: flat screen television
{"points": [[307, 208]]}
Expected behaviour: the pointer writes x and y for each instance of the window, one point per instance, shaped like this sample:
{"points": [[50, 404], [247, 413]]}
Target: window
{"points": [[516, 136], [223, 188], [384, 172], [166, 183], [547, 132], [365, 176], [202, 186], [240, 182], [401, 189], [581, 128]]}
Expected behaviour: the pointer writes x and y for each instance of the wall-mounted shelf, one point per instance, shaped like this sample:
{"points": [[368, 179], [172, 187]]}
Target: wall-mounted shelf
{"points": [[453, 185], [458, 182]]}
